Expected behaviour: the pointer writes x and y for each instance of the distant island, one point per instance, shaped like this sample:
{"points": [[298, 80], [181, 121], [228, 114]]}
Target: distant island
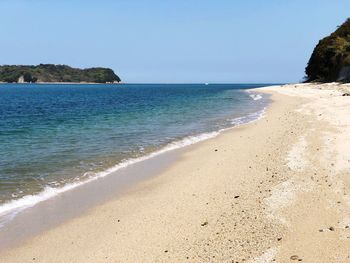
{"points": [[50, 73], [330, 60]]}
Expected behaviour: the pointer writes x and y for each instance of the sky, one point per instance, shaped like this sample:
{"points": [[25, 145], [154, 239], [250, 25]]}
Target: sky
{"points": [[164, 41]]}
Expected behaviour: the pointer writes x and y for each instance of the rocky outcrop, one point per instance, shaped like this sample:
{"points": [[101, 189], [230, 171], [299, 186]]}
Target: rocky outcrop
{"points": [[330, 60]]}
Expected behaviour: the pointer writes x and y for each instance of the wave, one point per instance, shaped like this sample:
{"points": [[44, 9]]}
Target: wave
{"points": [[256, 96], [14, 206], [10, 209], [249, 118]]}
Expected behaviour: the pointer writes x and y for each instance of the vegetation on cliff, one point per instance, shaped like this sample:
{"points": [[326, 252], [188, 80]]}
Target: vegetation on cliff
{"points": [[56, 73], [330, 60]]}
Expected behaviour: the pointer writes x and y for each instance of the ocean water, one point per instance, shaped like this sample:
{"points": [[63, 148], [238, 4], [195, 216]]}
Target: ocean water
{"points": [[56, 137]]}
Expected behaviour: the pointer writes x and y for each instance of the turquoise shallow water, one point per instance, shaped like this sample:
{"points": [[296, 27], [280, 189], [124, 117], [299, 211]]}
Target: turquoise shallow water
{"points": [[55, 135]]}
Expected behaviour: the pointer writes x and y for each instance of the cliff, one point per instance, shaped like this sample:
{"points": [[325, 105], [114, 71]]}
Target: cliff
{"points": [[56, 73], [330, 60]]}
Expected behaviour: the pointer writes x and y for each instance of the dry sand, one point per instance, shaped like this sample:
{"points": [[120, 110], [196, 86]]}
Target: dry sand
{"points": [[276, 190]]}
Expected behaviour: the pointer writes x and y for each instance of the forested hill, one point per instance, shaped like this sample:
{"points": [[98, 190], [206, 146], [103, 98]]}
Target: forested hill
{"points": [[56, 73], [330, 60]]}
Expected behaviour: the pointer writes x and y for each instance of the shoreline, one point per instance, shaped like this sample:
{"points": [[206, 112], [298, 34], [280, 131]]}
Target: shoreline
{"points": [[58, 209], [219, 201], [10, 209], [31, 207]]}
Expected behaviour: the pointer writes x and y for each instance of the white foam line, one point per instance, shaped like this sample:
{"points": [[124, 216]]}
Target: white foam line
{"points": [[254, 95], [10, 209], [249, 118]]}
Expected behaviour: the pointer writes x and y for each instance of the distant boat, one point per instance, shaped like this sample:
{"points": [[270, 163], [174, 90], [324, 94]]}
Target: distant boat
{"points": [[206, 83]]}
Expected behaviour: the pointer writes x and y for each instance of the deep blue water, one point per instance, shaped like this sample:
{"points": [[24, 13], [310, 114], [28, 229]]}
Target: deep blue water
{"points": [[52, 135]]}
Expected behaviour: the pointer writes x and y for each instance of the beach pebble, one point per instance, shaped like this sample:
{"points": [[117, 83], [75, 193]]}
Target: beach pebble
{"points": [[294, 257], [331, 228], [204, 224], [236, 196]]}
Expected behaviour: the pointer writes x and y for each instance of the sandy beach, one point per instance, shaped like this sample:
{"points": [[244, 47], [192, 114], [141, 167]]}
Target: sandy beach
{"points": [[275, 190]]}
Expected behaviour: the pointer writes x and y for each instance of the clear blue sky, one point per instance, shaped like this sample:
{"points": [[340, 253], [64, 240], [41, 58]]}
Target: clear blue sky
{"points": [[171, 41]]}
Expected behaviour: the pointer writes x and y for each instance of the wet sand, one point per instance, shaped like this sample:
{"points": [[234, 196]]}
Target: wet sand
{"points": [[276, 190]]}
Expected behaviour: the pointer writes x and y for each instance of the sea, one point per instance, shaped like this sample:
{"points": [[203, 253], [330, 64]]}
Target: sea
{"points": [[54, 138]]}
